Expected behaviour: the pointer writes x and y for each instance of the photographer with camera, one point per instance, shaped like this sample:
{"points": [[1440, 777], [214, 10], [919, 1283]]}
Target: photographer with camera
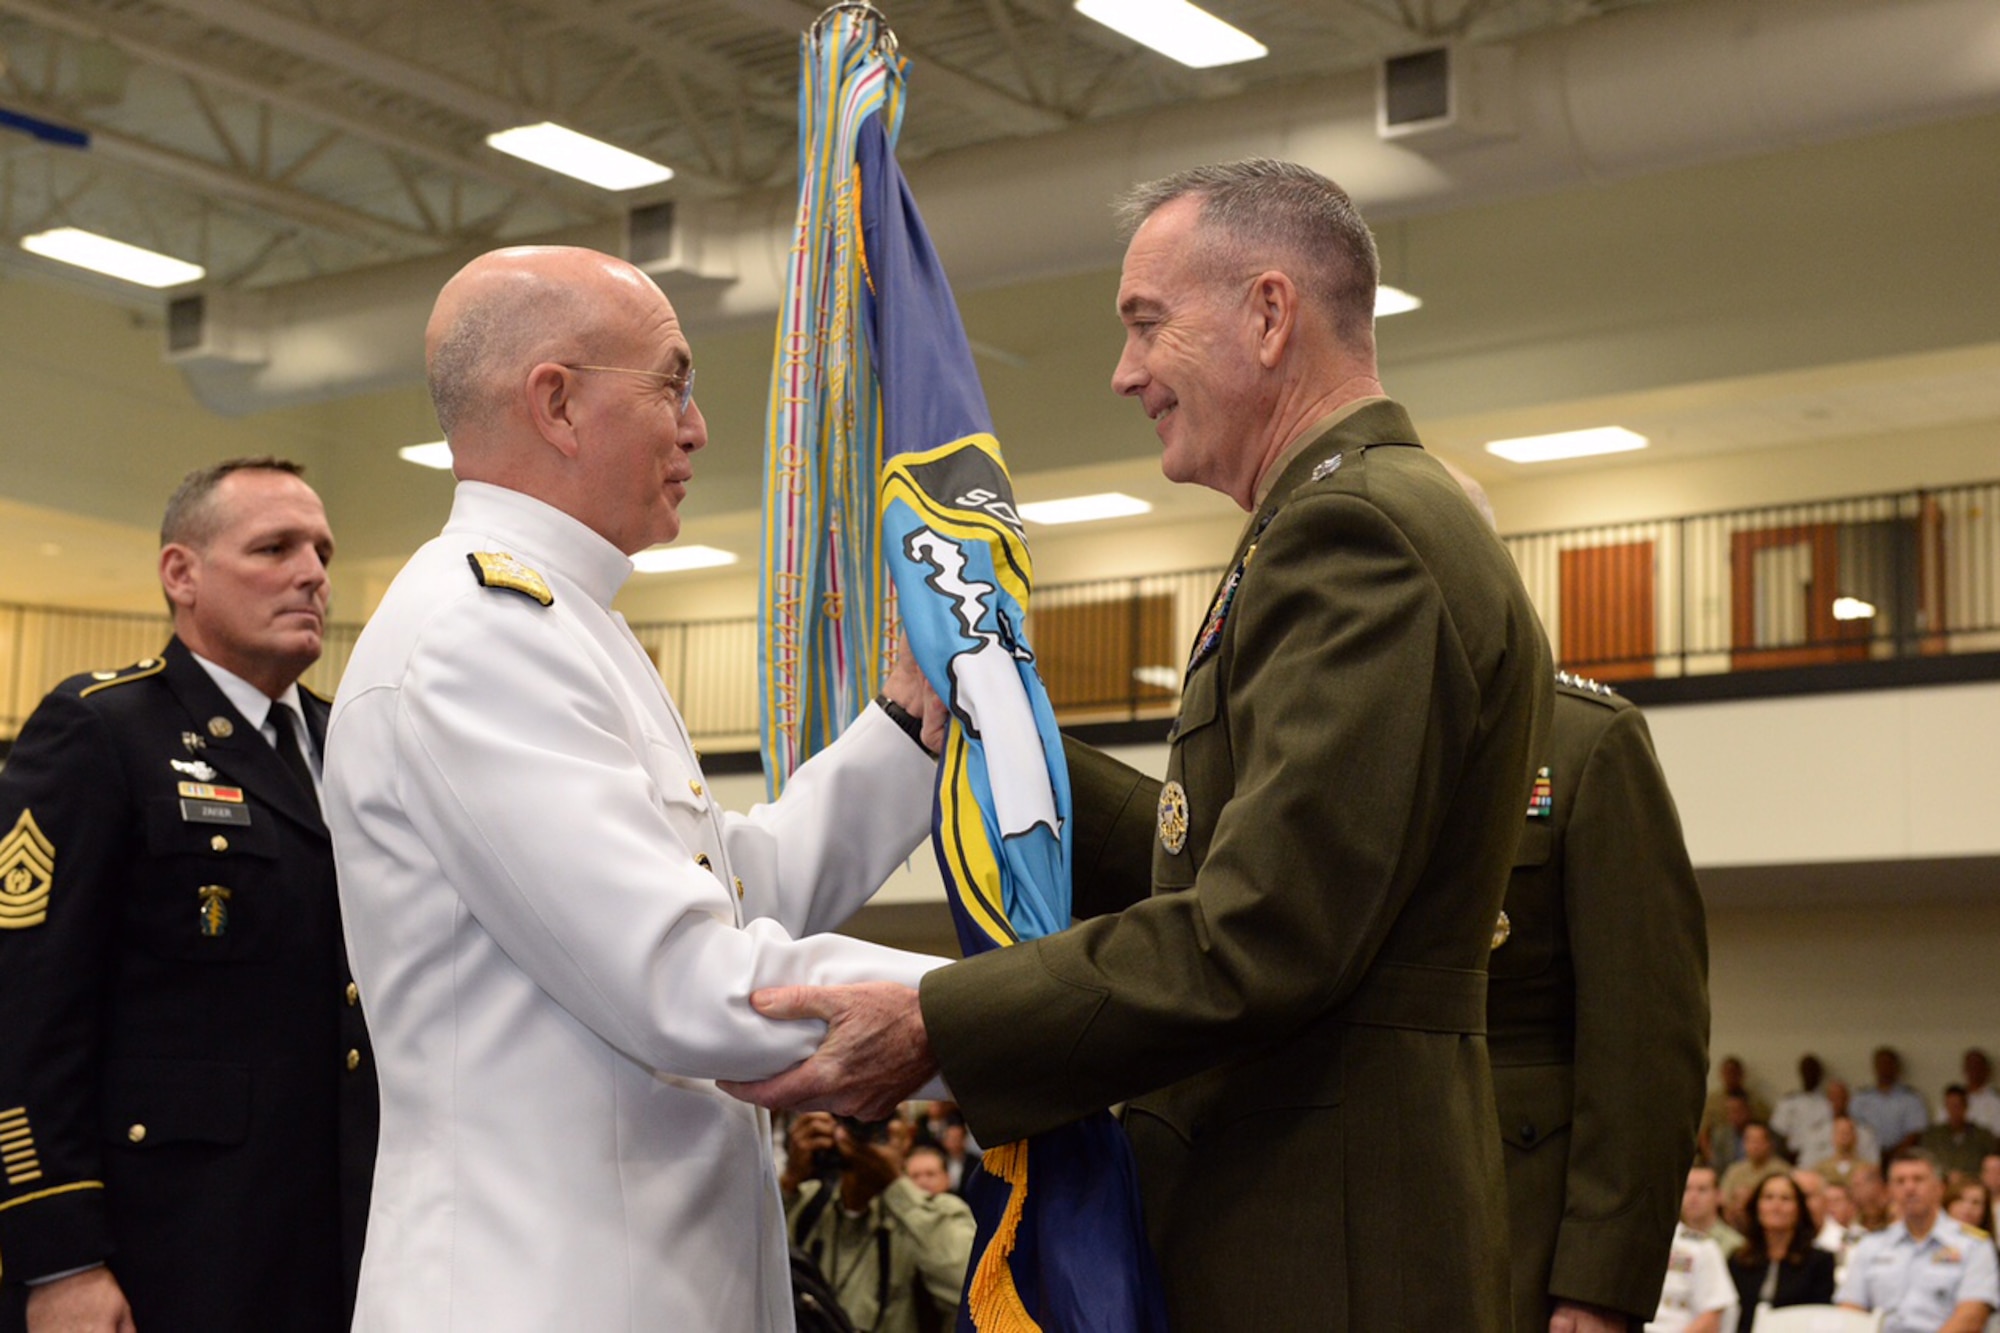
{"points": [[894, 1256]]}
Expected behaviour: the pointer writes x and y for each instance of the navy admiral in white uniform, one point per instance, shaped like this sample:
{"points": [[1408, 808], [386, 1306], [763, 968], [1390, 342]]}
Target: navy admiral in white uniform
{"points": [[553, 925], [187, 1102]]}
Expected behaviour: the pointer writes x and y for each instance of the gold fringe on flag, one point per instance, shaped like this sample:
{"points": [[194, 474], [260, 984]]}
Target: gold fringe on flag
{"points": [[992, 1300]]}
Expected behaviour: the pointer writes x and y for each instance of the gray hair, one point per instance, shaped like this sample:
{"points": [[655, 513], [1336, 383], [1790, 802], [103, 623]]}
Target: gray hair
{"points": [[1280, 214], [191, 518], [471, 370]]}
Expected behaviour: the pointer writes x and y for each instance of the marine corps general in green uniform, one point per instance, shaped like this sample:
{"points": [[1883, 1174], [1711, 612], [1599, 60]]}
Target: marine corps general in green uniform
{"points": [[1597, 1020], [1293, 995]]}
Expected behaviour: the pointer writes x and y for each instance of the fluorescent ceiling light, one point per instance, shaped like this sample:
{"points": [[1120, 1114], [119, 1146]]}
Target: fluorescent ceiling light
{"points": [[1852, 608], [670, 559], [101, 254], [1567, 444], [1394, 301], [1177, 30], [1084, 508], [436, 454], [550, 145]]}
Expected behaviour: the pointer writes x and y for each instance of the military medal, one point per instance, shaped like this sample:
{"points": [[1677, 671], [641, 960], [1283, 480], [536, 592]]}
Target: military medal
{"points": [[214, 910], [1542, 800], [1173, 818]]}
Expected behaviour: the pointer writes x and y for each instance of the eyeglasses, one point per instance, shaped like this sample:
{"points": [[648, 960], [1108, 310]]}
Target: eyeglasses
{"points": [[681, 384]]}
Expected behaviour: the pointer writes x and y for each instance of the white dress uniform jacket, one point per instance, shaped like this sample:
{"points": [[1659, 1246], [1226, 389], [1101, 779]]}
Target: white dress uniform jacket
{"points": [[556, 934]]}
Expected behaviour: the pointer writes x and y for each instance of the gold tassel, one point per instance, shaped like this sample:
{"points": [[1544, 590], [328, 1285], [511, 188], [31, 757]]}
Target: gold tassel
{"points": [[992, 1301]]}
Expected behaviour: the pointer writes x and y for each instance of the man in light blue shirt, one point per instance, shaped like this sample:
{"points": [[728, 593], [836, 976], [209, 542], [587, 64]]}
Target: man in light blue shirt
{"points": [[1892, 1108], [1925, 1273]]}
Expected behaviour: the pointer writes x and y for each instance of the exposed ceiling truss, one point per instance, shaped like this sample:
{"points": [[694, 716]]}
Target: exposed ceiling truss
{"points": [[272, 140]]}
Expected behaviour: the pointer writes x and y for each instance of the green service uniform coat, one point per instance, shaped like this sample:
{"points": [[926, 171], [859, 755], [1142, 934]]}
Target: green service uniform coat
{"points": [[1297, 1010], [1597, 1018], [191, 1089]]}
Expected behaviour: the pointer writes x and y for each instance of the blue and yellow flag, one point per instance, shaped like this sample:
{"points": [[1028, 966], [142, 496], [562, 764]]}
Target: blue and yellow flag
{"points": [[1060, 1244]]}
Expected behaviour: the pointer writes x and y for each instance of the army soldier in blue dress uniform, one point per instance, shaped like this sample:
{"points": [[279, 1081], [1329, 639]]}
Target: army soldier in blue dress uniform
{"points": [[187, 1099]]}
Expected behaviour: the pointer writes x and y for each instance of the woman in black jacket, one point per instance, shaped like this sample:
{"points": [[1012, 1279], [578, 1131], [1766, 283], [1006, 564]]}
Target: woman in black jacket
{"points": [[1778, 1264]]}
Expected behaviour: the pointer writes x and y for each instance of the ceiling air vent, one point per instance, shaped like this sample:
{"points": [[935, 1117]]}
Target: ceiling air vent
{"points": [[1446, 96]]}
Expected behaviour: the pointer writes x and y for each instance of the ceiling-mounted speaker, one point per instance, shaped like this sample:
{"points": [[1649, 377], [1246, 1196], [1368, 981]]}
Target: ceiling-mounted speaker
{"points": [[1446, 96]]}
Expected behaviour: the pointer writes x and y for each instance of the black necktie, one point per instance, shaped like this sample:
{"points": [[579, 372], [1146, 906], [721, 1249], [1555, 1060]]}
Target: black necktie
{"points": [[283, 720]]}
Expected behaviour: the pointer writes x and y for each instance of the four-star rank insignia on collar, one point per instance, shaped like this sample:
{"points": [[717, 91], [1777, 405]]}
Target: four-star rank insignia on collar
{"points": [[27, 872], [497, 569]]}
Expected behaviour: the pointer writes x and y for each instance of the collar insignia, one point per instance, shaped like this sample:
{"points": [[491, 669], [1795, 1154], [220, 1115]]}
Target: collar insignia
{"points": [[497, 569]]}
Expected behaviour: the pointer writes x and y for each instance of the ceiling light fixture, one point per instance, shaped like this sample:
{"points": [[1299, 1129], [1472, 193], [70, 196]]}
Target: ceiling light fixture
{"points": [[436, 454], [673, 559], [1177, 30], [1084, 508], [1567, 444], [578, 155], [115, 259], [1395, 301]]}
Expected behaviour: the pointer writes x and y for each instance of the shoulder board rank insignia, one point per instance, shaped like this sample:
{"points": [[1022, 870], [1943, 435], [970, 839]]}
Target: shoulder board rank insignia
{"points": [[27, 873], [497, 569], [1542, 799], [1173, 818], [151, 666], [1584, 683], [1326, 468]]}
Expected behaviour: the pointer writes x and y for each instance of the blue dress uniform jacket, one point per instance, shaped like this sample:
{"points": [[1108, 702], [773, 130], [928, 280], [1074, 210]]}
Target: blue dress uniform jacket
{"points": [[1597, 1017], [186, 1090], [1297, 1010]]}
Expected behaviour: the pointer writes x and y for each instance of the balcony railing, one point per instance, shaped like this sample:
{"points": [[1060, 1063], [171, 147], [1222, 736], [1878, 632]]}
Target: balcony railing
{"points": [[1908, 574]]}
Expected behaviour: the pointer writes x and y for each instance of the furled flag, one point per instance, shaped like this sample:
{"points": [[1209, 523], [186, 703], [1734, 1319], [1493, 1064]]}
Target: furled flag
{"points": [[1060, 1245]]}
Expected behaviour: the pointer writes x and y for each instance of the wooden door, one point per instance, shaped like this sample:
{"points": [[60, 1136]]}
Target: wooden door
{"points": [[1607, 612]]}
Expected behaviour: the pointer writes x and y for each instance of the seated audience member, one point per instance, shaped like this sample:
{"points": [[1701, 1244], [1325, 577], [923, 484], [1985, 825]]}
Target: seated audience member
{"points": [[1778, 1264], [1813, 1186], [1759, 1162], [1697, 1292], [1699, 1204], [1892, 1108], [1847, 1152], [1989, 1176], [1715, 1111], [1842, 1230], [1726, 1139], [960, 1157], [1801, 1117], [1983, 1102], [924, 1165], [1820, 1146], [894, 1254], [1967, 1203], [1958, 1144], [1925, 1273], [1872, 1206]]}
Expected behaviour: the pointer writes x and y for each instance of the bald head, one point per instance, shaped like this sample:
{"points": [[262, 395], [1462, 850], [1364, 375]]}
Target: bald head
{"points": [[510, 309], [560, 372]]}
